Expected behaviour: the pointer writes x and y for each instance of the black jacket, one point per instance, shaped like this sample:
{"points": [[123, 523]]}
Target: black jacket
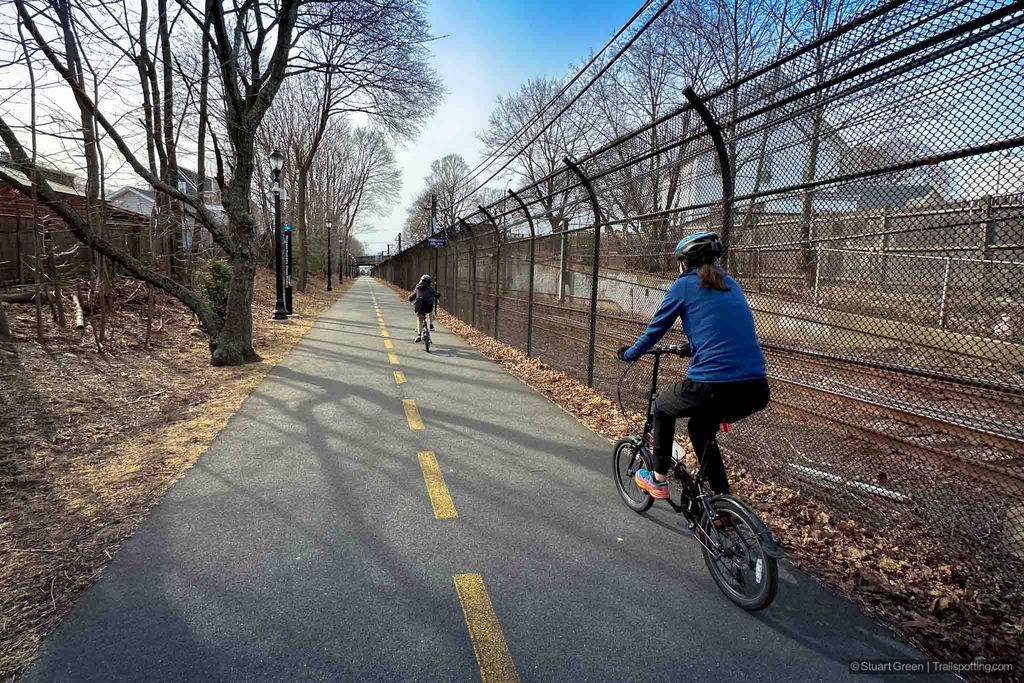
{"points": [[423, 297]]}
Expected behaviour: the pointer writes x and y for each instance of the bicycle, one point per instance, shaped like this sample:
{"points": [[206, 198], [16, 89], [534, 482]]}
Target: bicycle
{"points": [[738, 548], [426, 334]]}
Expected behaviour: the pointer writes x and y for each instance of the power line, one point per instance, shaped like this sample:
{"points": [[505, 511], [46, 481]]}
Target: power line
{"points": [[481, 167], [573, 101]]}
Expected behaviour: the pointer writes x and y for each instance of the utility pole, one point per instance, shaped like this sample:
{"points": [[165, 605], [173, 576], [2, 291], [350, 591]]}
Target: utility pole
{"points": [[433, 231], [399, 243]]}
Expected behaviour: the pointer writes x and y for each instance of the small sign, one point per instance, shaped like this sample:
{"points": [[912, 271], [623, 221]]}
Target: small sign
{"points": [[287, 227], [436, 241]]}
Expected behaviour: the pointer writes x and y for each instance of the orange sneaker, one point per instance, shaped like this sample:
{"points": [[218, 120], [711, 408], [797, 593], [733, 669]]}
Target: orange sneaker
{"points": [[645, 480]]}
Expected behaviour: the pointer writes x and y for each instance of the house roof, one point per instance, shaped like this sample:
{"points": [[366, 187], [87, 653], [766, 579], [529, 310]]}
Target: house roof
{"points": [[886, 195], [193, 178], [59, 188], [144, 192], [54, 175]]}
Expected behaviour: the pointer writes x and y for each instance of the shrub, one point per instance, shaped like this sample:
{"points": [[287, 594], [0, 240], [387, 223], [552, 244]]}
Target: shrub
{"points": [[212, 282]]}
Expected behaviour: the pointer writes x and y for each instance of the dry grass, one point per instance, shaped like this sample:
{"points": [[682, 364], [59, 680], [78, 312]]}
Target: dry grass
{"points": [[93, 441], [910, 589]]}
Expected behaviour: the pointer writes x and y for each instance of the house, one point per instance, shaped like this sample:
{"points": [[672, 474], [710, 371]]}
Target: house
{"points": [[772, 152], [143, 200], [18, 214], [137, 199]]}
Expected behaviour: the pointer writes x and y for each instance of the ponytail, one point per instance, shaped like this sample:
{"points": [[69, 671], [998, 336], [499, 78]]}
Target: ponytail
{"points": [[712, 278]]}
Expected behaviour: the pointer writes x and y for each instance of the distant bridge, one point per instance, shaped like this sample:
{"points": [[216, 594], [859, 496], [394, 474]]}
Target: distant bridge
{"points": [[367, 260]]}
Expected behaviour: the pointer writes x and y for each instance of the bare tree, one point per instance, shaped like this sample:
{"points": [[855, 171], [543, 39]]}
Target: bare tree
{"points": [[252, 48], [356, 178], [520, 117], [447, 182]]}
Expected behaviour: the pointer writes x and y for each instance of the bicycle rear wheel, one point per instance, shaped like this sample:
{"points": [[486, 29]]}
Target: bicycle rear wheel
{"points": [[626, 460], [426, 340], [747, 574]]}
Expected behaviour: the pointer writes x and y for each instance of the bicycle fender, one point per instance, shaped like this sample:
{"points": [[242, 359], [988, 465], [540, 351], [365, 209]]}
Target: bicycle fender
{"points": [[771, 548]]}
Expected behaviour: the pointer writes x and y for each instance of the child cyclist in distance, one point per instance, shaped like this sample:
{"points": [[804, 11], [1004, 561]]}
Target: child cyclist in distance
{"points": [[726, 379], [424, 298]]}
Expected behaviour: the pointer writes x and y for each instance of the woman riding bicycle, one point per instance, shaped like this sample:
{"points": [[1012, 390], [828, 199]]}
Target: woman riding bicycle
{"points": [[726, 379]]}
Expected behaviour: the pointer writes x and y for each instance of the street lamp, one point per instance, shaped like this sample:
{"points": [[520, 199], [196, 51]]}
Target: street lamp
{"points": [[289, 265], [330, 285], [276, 164]]}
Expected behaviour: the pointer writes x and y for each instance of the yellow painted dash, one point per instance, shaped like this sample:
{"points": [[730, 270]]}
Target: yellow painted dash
{"points": [[489, 645], [412, 414], [393, 357], [384, 332], [399, 377], [440, 498], [388, 344]]}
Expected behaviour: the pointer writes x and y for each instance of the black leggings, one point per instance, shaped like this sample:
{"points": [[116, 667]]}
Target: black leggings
{"points": [[707, 405]]}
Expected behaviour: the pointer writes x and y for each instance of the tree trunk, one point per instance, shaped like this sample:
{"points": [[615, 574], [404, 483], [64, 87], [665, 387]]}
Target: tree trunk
{"points": [[751, 221], [807, 265], [6, 340], [232, 344], [303, 232]]}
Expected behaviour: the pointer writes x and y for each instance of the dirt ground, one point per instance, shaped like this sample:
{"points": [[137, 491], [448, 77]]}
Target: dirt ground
{"points": [[912, 589], [92, 441]]}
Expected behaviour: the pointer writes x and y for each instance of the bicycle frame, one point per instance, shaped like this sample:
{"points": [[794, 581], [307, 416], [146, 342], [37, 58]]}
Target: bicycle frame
{"points": [[679, 472]]}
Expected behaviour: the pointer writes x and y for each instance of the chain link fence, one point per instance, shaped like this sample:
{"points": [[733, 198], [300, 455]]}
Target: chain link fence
{"points": [[867, 184]]}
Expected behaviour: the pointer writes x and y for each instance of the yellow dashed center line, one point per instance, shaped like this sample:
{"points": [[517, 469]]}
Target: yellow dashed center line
{"points": [[399, 377], [393, 358], [412, 414], [388, 344], [489, 645], [440, 499], [384, 332]]}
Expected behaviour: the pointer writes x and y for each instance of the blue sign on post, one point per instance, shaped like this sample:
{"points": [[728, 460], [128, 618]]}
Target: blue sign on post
{"points": [[436, 241], [287, 228]]}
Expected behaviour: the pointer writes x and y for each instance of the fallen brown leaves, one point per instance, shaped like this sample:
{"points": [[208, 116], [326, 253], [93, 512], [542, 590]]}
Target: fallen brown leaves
{"points": [[92, 442], [908, 587]]}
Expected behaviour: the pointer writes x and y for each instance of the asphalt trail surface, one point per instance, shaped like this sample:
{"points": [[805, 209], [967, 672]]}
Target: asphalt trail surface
{"points": [[328, 535]]}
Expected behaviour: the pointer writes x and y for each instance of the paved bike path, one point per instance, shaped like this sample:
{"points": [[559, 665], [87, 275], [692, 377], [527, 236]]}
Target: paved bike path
{"points": [[304, 546]]}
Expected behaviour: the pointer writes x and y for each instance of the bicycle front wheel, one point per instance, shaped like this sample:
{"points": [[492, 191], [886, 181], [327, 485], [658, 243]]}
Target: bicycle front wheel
{"points": [[736, 557], [626, 460]]}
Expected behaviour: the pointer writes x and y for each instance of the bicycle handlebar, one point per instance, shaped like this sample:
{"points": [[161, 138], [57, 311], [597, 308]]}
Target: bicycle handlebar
{"points": [[681, 350]]}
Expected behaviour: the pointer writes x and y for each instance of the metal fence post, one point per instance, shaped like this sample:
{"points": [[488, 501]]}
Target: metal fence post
{"points": [[455, 275], [472, 270], [440, 286], [597, 265], [497, 266], [883, 265], [529, 296], [943, 313], [728, 185], [817, 275]]}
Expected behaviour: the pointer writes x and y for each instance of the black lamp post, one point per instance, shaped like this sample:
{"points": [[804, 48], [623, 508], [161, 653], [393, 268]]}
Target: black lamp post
{"points": [[330, 275], [288, 268], [276, 164]]}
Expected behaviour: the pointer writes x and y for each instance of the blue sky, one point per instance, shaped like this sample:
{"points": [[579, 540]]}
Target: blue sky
{"points": [[490, 49]]}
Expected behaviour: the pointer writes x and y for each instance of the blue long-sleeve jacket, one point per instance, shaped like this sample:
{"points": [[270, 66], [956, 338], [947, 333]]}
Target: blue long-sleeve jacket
{"points": [[718, 325]]}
